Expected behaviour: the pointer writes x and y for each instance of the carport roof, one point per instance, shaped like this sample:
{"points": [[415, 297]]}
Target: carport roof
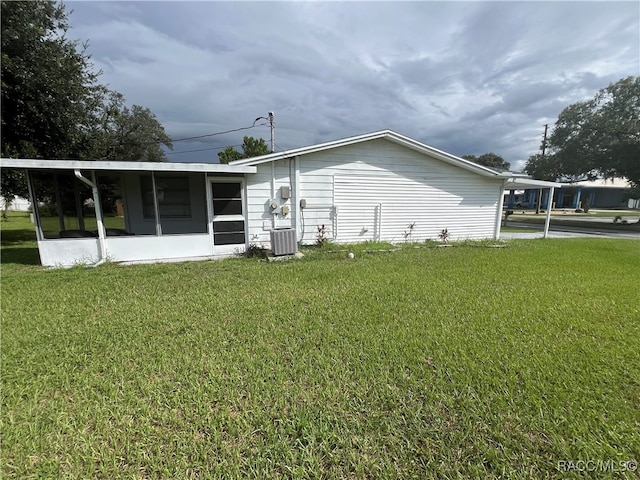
{"points": [[520, 182]]}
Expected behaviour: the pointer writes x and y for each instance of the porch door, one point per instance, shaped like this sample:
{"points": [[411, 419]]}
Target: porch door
{"points": [[226, 207]]}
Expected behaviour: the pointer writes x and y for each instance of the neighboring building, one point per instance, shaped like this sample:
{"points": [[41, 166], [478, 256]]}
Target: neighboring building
{"points": [[380, 186], [599, 193], [18, 204]]}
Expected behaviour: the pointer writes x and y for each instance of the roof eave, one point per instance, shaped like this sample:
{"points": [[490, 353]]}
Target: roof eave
{"points": [[388, 134], [107, 165], [524, 182]]}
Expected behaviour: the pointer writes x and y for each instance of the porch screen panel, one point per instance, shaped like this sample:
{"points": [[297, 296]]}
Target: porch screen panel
{"points": [[173, 195], [181, 204]]}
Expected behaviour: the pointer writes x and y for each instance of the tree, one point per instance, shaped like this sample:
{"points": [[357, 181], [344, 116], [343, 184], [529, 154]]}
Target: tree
{"points": [[251, 147], [543, 167], [229, 155], [490, 160], [12, 184], [52, 104], [599, 137], [47, 82], [120, 133]]}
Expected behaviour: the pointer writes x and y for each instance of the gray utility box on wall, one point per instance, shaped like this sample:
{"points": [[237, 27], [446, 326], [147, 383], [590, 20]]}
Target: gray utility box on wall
{"points": [[284, 241]]}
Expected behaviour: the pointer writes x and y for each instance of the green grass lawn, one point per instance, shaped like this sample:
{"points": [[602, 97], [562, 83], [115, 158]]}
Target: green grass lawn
{"points": [[462, 362]]}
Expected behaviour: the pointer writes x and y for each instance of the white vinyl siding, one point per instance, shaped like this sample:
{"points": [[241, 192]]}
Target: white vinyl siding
{"points": [[343, 188]]}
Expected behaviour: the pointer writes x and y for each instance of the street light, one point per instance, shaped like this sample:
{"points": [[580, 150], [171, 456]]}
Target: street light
{"points": [[273, 132]]}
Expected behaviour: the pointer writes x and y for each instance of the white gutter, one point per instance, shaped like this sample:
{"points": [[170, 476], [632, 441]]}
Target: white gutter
{"points": [[123, 166], [273, 195], [298, 196], [156, 208], [98, 207]]}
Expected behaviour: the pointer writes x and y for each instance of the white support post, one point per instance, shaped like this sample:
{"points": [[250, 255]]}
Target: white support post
{"points": [[498, 221], [548, 217]]}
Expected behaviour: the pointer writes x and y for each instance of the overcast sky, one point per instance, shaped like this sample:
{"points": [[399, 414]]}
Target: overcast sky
{"points": [[464, 77]]}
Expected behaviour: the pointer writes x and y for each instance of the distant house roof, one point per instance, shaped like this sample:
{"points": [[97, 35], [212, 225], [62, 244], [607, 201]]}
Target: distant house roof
{"points": [[617, 182]]}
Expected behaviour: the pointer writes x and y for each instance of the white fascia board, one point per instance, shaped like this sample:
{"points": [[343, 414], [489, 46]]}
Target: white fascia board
{"points": [[106, 165], [442, 155], [388, 134], [513, 183]]}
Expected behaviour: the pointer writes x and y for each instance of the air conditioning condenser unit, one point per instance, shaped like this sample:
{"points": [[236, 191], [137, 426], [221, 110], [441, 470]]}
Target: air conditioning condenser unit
{"points": [[284, 241]]}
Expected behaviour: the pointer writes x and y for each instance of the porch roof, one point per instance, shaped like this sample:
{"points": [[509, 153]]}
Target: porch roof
{"points": [[119, 166], [521, 182]]}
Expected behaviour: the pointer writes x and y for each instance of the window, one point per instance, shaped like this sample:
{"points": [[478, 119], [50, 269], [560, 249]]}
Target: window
{"points": [[174, 197]]}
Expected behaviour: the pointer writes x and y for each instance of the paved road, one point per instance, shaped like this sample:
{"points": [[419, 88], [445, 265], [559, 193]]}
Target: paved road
{"points": [[579, 218], [561, 231]]}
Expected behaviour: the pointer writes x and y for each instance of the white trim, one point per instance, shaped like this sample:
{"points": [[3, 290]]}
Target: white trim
{"points": [[297, 196], [498, 225], [547, 219], [156, 207], [387, 134], [27, 163], [522, 183], [230, 248]]}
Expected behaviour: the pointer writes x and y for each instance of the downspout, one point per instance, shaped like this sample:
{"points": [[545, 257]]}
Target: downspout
{"points": [[298, 196], [34, 207], [548, 217], [380, 222], [98, 207], [156, 208], [273, 194]]}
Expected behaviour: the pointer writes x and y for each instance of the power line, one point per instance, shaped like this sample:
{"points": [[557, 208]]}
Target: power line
{"points": [[172, 140], [219, 148], [218, 133], [202, 149]]}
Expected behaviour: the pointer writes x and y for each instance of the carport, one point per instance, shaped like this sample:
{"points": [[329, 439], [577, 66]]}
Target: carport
{"points": [[519, 183]]}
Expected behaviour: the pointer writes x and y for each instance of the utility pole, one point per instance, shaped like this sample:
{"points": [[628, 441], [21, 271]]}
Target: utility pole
{"points": [[273, 130], [273, 133], [544, 149]]}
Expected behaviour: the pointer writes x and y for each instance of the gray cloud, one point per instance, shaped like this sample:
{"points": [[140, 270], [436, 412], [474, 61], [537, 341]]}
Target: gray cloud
{"points": [[463, 77]]}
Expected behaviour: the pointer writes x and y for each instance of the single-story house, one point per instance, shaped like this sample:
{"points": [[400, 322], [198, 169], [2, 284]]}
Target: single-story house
{"points": [[381, 186], [597, 193], [610, 193]]}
